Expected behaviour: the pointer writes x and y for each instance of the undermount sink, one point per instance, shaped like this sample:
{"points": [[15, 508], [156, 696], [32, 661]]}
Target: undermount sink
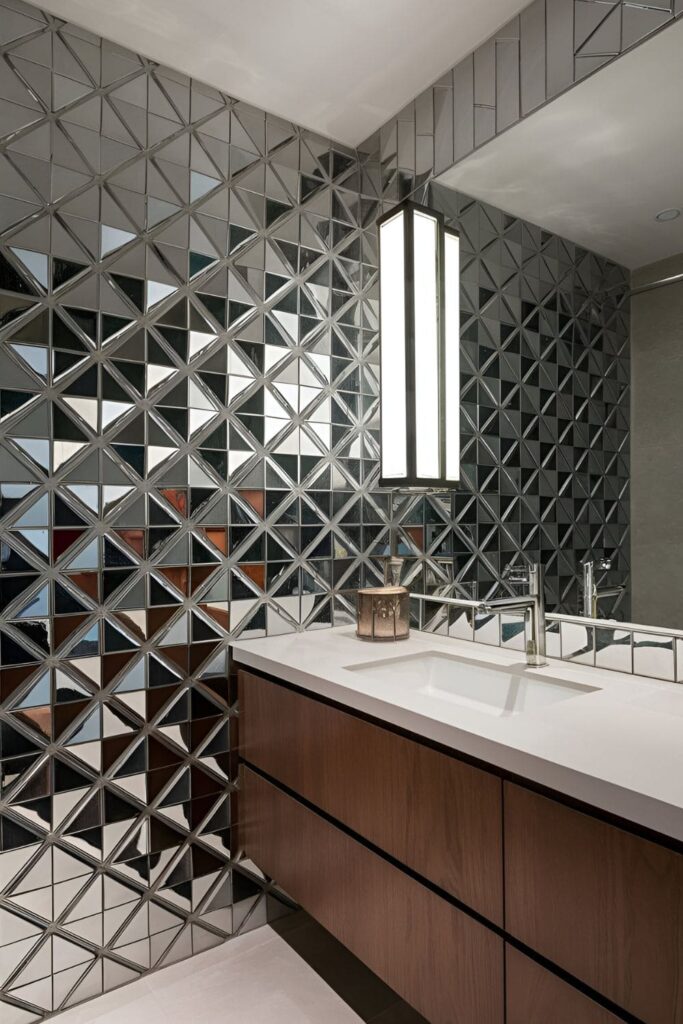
{"points": [[492, 689]]}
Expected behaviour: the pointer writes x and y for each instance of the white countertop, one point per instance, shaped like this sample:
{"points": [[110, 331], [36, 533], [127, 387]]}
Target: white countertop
{"points": [[619, 748]]}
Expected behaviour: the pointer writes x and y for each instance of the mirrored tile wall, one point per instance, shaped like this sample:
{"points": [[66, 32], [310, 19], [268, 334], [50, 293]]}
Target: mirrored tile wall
{"points": [[548, 48], [188, 452], [181, 329]]}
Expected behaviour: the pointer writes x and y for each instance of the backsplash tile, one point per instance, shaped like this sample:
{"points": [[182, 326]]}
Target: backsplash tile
{"points": [[623, 648], [654, 655]]}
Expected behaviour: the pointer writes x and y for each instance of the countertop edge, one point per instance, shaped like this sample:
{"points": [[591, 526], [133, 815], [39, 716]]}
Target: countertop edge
{"points": [[636, 808]]}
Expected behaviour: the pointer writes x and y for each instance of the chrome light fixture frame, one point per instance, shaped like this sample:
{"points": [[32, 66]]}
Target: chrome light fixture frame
{"points": [[448, 391]]}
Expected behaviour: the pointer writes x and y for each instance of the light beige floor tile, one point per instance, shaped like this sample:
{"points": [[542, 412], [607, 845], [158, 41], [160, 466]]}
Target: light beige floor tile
{"points": [[254, 979]]}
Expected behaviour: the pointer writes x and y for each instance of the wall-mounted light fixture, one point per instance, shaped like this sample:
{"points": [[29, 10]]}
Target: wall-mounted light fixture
{"points": [[419, 261]]}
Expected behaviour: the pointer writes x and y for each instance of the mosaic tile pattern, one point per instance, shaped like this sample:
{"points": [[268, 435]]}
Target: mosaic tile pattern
{"points": [[179, 357], [548, 48], [188, 452]]}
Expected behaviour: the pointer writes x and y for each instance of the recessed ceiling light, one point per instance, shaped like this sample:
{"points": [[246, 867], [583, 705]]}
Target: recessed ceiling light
{"points": [[668, 215]]}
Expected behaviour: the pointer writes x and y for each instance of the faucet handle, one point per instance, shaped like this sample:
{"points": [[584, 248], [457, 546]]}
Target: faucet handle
{"points": [[598, 563], [516, 574]]}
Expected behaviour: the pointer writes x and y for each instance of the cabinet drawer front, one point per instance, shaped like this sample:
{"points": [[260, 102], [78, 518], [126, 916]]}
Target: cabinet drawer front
{"points": [[536, 996], [435, 814], [445, 964], [605, 905]]}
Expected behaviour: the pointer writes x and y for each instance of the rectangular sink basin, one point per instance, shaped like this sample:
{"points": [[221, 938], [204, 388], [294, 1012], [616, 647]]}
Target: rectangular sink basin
{"points": [[491, 689]]}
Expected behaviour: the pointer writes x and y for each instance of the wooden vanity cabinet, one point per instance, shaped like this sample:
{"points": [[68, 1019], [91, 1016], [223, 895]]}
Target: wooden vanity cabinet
{"points": [[534, 995], [478, 899], [440, 960], [601, 903], [433, 813]]}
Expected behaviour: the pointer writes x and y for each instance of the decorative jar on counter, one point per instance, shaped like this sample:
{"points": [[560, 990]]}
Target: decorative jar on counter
{"points": [[383, 613]]}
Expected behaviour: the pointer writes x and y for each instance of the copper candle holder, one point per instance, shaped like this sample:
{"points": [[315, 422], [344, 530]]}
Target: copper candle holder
{"points": [[383, 613]]}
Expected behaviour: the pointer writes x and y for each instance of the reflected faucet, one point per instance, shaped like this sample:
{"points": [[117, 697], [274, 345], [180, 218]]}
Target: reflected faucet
{"points": [[532, 604], [591, 594]]}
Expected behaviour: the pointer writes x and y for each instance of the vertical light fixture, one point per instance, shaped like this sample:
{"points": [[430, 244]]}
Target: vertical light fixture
{"points": [[419, 260]]}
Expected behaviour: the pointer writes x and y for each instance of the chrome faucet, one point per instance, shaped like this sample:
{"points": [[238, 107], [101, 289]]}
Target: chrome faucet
{"points": [[532, 604], [591, 594]]}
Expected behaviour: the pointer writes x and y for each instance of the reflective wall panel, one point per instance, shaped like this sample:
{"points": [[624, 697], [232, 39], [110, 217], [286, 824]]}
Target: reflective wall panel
{"points": [[548, 48], [184, 436]]}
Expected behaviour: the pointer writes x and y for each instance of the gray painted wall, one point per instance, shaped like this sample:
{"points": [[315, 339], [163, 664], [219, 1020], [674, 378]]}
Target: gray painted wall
{"points": [[657, 446]]}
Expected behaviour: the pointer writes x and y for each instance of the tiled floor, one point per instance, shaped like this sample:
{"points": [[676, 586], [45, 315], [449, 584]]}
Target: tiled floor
{"points": [[259, 978]]}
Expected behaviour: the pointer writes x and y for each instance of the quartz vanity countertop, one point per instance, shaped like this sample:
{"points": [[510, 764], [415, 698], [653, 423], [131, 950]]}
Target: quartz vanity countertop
{"points": [[618, 748]]}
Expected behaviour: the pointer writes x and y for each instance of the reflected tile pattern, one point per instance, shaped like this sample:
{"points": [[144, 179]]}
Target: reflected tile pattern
{"points": [[188, 453], [545, 384], [549, 47]]}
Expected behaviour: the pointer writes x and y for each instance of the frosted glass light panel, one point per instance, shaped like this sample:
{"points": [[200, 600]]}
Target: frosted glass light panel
{"points": [[392, 284], [419, 263], [452, 353]]}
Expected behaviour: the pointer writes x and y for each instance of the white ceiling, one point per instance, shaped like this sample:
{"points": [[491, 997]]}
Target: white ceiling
{"points": [[597, 164], [340, 67]]}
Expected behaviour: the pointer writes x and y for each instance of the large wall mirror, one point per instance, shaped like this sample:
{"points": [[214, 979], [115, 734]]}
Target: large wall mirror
{"points": [[601, 169]]}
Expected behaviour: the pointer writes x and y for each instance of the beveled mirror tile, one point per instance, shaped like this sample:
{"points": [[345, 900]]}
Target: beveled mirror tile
{"points": [[653, 655], [487, 628], [578, 643], [613, 649], [37, 994], [38, 967], [512, 630], [14, 928]]}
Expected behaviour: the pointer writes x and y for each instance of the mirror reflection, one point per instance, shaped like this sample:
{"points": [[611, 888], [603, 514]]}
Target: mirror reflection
{"points": [[595, 324]]}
